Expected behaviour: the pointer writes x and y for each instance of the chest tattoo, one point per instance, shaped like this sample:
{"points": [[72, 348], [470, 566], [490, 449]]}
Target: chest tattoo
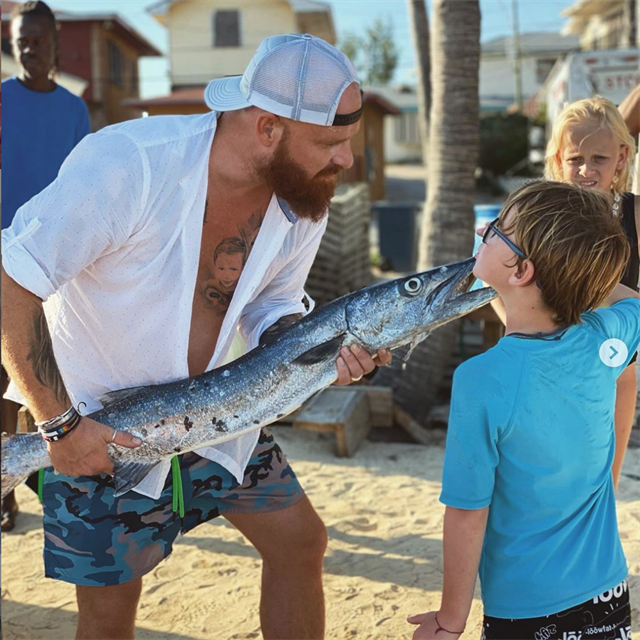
{"points": [[222, 267]]}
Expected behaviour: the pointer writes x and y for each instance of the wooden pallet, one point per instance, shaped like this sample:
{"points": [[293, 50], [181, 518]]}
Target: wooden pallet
{"points": [[344, 413]]}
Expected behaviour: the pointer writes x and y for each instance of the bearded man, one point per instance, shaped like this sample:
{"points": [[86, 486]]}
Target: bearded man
{"points": [[121, 248]]}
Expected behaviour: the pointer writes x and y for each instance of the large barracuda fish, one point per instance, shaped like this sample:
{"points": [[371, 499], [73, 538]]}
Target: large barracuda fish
{"points": [[267, 383]]}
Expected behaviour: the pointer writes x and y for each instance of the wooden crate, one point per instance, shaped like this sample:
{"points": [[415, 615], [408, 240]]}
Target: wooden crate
{"points": [[344, 411]]}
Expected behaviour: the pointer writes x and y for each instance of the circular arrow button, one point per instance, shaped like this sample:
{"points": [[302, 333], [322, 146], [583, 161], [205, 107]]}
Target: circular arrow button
{"points": [[613, 352]]}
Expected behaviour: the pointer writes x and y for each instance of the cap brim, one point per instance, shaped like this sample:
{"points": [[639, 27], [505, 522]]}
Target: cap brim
{"points": [[223, 94]]}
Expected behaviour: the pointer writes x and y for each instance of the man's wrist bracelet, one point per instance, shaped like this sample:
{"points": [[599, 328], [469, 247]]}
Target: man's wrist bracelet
{"points": [[441, 628], [58, 421], [56, 428]]}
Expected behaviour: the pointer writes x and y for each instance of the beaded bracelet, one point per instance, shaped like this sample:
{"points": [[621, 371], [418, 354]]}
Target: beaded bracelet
{"points": [[441, 628]]}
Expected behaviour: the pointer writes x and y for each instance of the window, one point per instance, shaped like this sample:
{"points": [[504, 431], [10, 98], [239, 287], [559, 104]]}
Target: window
{"points": [[115, 64], [226, 29], [407, 128]]}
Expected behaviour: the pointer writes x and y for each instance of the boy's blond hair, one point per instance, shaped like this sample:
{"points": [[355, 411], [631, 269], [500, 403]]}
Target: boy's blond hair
{"points": [[579, 250], [604, 115]]}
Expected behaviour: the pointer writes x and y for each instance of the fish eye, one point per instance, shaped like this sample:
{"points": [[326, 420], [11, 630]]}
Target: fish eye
{"points": [[413, 286]]}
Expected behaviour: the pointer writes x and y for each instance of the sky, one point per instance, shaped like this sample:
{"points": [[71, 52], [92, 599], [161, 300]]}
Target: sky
{"points": [[348, 15]]}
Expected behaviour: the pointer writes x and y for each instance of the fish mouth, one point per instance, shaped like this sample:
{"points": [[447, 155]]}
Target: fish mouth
{"points": [[454, 286], [452, 298]]}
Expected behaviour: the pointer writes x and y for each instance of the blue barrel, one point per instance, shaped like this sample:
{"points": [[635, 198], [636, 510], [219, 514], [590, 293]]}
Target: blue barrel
{"points": [[398, 233]]}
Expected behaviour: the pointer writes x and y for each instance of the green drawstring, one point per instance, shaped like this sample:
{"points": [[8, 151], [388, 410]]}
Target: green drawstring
{"points": [[40, 483], [178, 495]]}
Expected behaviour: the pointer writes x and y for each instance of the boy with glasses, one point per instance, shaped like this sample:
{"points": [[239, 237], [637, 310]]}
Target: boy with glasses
{"points": [[527, 475]]}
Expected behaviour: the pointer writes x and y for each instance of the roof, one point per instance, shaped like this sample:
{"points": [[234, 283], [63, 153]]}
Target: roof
{"points": [[533, 44], [402, 97], [135, 37], [299, 6], [581, 12], [588, 8], [195, 97]]}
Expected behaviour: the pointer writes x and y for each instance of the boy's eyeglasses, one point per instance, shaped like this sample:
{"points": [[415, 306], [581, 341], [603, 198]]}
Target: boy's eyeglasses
{"points": [[492, 230]]}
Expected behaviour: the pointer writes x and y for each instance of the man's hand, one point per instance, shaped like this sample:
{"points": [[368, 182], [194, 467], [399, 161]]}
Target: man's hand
{"points": [[84, 451], [355, 362], [428, 627]]}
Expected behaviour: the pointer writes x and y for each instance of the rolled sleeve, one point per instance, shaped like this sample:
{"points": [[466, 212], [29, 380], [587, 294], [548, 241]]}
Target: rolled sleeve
{"points": [[285, 294], [89, 210]]}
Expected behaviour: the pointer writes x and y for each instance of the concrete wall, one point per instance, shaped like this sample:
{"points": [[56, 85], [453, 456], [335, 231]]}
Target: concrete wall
{"points": [[195, 61]]}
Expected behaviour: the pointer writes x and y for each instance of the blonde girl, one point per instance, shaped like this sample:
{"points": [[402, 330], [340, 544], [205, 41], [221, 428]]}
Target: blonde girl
{"points": [[591, 146]]}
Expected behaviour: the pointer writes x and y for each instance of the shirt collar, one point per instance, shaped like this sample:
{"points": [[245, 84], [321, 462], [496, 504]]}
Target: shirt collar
{"points": [[287, 210]]}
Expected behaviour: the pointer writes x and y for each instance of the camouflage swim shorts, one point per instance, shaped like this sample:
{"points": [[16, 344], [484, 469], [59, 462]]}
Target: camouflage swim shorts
{"points": [[93, 538]]}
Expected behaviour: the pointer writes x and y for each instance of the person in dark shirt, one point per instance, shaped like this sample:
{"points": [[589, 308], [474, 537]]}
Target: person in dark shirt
{"points": [[42, 122]]}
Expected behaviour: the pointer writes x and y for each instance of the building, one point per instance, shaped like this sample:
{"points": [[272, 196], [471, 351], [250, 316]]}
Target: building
{"points": [[604, 24], [102, 50], [402, 141], [206, 42], [539, 54]]}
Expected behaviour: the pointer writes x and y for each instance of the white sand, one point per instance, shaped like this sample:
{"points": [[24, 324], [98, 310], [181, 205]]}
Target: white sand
{"points": [[384, 559]]}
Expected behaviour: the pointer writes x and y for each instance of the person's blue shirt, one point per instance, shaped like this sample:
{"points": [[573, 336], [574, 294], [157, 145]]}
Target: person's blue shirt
{"points": [[531, 436], [39, 130]]}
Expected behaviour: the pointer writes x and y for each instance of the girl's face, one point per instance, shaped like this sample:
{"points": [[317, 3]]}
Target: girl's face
{"points": [[591, 156]]}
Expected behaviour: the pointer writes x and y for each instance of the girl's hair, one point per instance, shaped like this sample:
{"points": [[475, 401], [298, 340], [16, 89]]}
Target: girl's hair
{"points": [[578, 249], [602, 113]]}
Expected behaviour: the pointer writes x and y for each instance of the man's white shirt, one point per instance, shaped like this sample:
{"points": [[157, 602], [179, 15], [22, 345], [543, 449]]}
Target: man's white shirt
{"points": [[112, 246]]}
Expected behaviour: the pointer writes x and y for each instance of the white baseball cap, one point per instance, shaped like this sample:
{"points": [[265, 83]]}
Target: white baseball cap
{"points": [[299, 77]]}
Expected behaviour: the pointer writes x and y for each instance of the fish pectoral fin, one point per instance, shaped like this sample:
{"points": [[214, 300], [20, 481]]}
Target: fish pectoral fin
{"points": [[113, 397], [329, 350], [127, 475]]}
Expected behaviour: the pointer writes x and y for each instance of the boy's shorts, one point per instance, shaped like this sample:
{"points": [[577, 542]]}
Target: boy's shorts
{"points": [[93, 538], [605, 617]]}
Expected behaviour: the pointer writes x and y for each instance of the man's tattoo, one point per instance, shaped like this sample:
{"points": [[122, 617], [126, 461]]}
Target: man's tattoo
{"points": [[278, 327], [228, 261], [43, 361]]}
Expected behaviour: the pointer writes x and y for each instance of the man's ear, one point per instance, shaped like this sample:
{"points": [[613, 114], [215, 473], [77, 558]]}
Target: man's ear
{"points": [[525, 275], [269, 129]]}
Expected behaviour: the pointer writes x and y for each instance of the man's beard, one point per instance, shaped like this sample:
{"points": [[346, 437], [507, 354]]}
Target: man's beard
{"points": [[308, 197]]}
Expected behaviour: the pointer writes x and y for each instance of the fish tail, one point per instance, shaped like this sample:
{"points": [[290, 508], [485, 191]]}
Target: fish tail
{"points": [[9, 483], [11, 476]]}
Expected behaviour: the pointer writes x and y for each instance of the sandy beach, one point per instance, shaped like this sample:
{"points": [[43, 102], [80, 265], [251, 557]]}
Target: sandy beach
{"points": [[384, 559]]}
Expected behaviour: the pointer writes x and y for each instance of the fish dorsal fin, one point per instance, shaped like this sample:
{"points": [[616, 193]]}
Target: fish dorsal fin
{"points": [[114, 397], [127, 475], [326, 351]]}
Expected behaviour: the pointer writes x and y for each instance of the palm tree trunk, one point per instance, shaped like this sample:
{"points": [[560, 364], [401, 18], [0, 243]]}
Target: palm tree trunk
{"points": [[447, 228], [420, 27]]}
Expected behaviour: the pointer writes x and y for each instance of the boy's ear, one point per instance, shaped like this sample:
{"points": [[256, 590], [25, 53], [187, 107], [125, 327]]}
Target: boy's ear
{"points": [[525, 276]]}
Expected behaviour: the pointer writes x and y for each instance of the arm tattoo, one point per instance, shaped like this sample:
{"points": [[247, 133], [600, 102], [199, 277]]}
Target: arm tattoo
{"points": [[278, 327], [42, 359]]}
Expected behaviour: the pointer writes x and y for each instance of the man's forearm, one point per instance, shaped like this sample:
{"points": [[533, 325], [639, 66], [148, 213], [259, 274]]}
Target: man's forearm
{"points": [[27, 353], [463, 538]]}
